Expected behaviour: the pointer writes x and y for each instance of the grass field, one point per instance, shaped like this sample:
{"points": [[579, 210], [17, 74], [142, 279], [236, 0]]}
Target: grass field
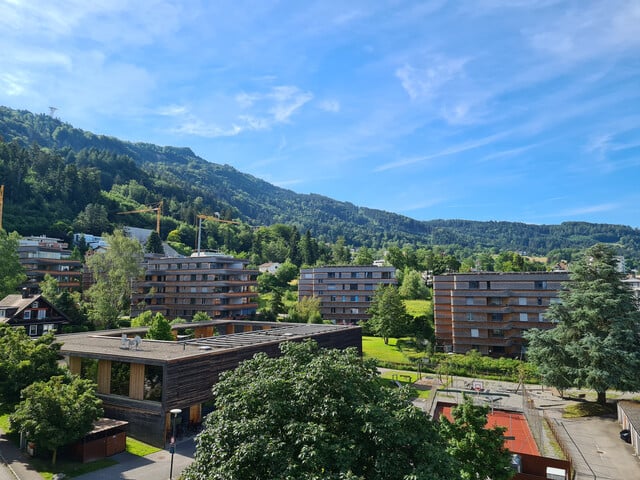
{"points": [[399, 350], [415, 308]]}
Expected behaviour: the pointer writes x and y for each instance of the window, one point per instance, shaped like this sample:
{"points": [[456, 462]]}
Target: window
{"points": [[34, 305], [333, 309], [355, 310], [522, 301], [488, 285], [353, 286], [354, 298], [540, 285], [469, 317], [331, 275], [3, 313], [33, 330], [473, 284], [552, 301], [48, 327], [369, 274], [27, 315], [497, 333], [524, 317], [42, 314], [332, 298], [541, 317], [332, 287], [496, 317], [494, 301], [354, 275], [475, 333], [469, 301], [539, 300]]}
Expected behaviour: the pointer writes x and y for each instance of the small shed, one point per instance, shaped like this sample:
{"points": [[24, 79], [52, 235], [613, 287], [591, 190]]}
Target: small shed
{"points": [[107, 438]]}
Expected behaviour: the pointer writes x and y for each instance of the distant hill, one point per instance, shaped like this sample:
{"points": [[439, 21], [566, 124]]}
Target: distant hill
{"points": [[190, 185]]}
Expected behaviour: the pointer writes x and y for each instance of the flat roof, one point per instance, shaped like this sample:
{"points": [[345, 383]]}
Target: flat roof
{"points": [[108, 344]]}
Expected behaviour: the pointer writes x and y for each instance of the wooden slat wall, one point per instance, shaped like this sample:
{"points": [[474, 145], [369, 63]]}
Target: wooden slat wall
{"points": [[104, 376], [75, 365], [136, 381]]}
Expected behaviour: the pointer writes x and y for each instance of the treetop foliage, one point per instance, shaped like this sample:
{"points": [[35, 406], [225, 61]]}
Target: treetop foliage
{"points": [[315, 414]]}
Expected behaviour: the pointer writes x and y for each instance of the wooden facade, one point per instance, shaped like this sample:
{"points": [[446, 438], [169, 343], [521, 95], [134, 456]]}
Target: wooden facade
{"points": [[488, 312], [188, 368]]}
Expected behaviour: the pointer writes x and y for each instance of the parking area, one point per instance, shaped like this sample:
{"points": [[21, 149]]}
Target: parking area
{"points": [[600, 453]]}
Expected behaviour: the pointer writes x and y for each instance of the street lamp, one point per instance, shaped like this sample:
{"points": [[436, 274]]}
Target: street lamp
{"points": [[172, 448]]}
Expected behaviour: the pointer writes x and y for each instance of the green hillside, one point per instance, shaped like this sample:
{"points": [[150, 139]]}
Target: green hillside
{"points": [[52, 171]]}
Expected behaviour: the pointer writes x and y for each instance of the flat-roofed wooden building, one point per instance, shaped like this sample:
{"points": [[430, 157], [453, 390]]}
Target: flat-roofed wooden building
{"points": [[141, 380]]}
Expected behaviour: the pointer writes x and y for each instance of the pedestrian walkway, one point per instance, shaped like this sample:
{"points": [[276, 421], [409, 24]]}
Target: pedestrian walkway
{"points": [[16, 462]]}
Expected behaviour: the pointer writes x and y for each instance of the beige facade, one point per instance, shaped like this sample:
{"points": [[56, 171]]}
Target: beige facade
{"points": [[345, 292], [219, 285], [489, 312]]}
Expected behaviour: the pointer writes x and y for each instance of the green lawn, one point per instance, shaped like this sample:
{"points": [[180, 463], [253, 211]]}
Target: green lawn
{"points": [[141, 449], [415, 308], [399, 350]]}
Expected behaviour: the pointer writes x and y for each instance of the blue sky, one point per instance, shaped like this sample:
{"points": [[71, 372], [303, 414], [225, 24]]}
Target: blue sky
{"points": [[516, 110]]}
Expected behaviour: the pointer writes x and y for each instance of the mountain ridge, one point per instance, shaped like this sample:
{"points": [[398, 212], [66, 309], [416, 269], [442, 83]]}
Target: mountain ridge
{"points": [[185, 178]]}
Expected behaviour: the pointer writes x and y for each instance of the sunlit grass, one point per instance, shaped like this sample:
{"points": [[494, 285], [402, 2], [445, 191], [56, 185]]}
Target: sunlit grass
{"points": [[416, 308], [587, 409], [140, 449]]}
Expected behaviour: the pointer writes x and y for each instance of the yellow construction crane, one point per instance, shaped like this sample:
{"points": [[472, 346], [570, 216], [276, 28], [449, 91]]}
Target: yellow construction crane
{"points": [[157, 209], [215, 218], [1, 203]]}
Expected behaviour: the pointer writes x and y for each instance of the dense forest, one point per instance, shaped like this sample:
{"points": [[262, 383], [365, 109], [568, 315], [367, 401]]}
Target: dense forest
{"points": [[58, 178]]}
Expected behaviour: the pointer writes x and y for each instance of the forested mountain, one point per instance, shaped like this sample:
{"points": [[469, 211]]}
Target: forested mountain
{"points": [[52, 171]]}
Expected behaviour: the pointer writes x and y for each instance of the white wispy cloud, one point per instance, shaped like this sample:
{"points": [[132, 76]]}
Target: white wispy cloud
{"points": [[329, 106], [453, 150], [172, 110], [424, 82]]}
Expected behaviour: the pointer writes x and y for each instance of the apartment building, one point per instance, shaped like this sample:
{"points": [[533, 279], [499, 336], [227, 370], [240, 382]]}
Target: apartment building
{"points": [[345, 292], [219, 285], [43, 255], [489, 312]]}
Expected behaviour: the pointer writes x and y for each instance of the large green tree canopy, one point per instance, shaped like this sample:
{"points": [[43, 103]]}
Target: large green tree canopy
{"points": [[58, 411], [23, 361], [315, 414], [596, 343]]}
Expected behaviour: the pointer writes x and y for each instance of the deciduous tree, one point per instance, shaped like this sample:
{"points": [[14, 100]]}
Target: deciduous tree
{"points": [[57, 412], [113, 272], [23, 361], [11, 271], [315, 414], [596, 343], [479, 450]]}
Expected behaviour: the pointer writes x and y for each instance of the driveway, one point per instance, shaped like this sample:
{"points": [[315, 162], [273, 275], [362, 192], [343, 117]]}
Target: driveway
{"points": [[598, 451]]}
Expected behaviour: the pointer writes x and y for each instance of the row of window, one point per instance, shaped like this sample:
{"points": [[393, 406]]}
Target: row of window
{"points": [[349, 298], [345, 310], [499, 317], [499, 301], [537, 285]]}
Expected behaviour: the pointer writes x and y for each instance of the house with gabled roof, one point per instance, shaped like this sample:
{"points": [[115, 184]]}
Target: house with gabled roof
{"points": [[32, 312]]}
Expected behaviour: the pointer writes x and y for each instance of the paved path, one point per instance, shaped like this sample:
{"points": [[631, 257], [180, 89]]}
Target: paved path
{"points": [[15, 463], [152, 467]]}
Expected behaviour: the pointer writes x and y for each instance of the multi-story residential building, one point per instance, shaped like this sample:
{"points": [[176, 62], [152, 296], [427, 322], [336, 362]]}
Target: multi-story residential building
{"points": [[43, 255], [345, 292], [489, 312], [219, 285]]}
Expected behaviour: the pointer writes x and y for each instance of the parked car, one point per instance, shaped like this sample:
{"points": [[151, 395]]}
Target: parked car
{"points": [[625, 435]]}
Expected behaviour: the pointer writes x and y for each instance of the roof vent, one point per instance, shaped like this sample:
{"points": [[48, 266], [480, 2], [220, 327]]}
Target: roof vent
{"points": [[204, 347]]}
